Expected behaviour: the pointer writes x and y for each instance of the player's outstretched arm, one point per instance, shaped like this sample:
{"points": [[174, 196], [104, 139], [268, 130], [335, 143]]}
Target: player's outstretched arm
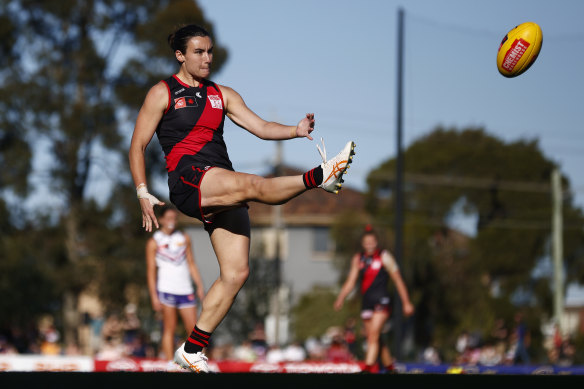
{"points": [[148, 118], [349, 283], [240, 114], [393, 270]]}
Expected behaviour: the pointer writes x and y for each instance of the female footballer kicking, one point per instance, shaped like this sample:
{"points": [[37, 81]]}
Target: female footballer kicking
{"points": [[373, 267], [187, 112], [170, 267]]}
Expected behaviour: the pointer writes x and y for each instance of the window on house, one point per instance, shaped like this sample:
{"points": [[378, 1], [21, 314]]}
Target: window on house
{"points": [[322, 242]]}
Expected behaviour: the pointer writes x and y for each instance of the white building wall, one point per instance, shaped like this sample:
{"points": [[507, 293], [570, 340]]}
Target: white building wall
{"points": [[302, 266]]}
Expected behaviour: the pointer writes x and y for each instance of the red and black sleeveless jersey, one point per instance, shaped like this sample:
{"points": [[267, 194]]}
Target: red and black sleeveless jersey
{"points": [[191, 129], [374, 276]]}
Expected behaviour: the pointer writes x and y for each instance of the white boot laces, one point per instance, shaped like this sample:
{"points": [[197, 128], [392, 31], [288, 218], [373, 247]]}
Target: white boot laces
{"points": [[322, 151]]}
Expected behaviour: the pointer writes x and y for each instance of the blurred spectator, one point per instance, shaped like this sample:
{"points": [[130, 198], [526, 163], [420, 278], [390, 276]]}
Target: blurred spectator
{"points": [[258, 340], [351, 335], [72, 349], [338, 351], [274, 355], [566, 353], [315, 349], [112, 328], [294, 353], [245, 352], [221, 352], [130, 323], [137, 346], [521, 340], [96, 329], [490, 356], [112, 349], [499, 332], [24, 340], [6, 347], [431, 356], [49, 336], [557, 339], [92, 317], [462, 342]]}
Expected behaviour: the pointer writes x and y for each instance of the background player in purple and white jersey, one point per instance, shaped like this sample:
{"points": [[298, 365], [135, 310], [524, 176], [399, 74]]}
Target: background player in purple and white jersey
{"points": [[373, 267], [171, 271]]}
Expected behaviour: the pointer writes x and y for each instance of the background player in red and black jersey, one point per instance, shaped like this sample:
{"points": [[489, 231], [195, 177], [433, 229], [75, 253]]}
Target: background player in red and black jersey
{"points": [[187, 113], [373, 267]]}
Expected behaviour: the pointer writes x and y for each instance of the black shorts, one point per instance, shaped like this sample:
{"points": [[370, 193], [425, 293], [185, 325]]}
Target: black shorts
{"points": [[374, 303], [185, 194]]}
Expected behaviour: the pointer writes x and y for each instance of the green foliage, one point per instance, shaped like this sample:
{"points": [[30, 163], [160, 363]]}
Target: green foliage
{"points": [[462, 282], [74, 74], [346, 233], [27, 276], [314, 313]]}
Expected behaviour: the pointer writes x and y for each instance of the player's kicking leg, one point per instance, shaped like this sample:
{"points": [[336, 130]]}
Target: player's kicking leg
{"points": [[223, 188]]}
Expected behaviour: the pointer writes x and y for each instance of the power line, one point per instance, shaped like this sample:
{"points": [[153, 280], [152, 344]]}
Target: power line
{"points": [[453, 27], [508, 224], [566, 37], [468, 182]]}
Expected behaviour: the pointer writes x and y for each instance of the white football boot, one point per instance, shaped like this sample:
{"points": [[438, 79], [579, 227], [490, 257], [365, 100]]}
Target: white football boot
{"points": [[196, 362], [334, 169]]}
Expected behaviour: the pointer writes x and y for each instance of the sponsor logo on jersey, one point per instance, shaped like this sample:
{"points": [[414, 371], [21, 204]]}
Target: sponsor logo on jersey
{"points": [[185, 102], [215, 101], [514, 54], [180, 90], [198, 94]]}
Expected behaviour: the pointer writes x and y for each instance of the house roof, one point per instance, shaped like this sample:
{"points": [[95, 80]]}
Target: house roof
{"points": [[314, 207]]}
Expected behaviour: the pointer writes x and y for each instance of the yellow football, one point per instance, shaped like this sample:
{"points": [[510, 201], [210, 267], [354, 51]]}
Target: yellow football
{"points": [[519, 49]]}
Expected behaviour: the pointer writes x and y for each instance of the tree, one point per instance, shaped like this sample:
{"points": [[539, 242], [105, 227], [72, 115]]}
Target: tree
{"points": [[314, 314], [66, 84], [465, 282]]}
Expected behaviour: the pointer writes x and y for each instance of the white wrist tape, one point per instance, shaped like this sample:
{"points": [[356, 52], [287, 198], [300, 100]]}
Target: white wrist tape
{"points": [[142, 192]]}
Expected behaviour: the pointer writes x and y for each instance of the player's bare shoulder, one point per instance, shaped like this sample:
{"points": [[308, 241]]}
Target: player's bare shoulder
{"points": [[389, 261], [158, 96], [230, 96]]}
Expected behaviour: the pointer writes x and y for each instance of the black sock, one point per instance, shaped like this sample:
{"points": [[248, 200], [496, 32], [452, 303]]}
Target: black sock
{"points": [[312, 178], [197, 340]]}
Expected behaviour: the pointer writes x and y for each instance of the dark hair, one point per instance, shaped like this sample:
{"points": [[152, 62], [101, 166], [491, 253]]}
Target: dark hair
{"points": [[166, 208], [178, 40], [369, 231]]}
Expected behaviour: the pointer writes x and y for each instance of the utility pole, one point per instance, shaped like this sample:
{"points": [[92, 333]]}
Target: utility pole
{"points": [[399, 166], [277, 226], [557, 246]]}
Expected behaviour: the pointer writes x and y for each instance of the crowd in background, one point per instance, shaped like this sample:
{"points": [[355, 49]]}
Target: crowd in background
{"points": [[506, 346], [119, 336]]}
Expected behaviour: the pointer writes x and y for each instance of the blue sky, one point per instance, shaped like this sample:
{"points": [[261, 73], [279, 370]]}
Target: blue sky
{"points": [[337, 59]]}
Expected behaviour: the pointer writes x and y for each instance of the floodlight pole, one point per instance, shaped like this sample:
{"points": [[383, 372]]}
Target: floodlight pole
{"points": [[277, 223], [399, 166], [557, 246]]}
